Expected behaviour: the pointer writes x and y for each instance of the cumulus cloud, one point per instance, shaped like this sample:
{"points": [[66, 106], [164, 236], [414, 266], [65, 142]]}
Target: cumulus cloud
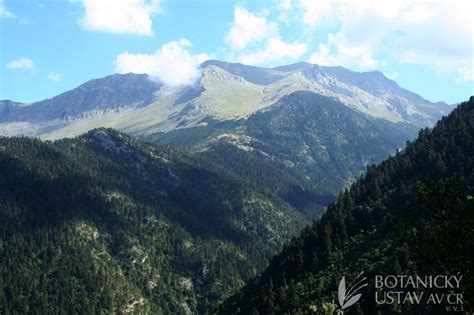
{"points": [[172, 64], [4, 12], [275, 49], [255, 40], [120, 16], [23, 63], [248, 28], [436, 34], [54, 76]]}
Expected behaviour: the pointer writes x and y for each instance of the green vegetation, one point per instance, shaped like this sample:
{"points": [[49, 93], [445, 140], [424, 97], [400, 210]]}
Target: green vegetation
{"points": [[306, 133], [104, 223], [411, 215]]}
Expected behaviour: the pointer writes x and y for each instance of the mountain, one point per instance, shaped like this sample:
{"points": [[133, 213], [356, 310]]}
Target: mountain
{"points": [[412, 215], [370, 92], [105, 223], [6, 107], [112, 94], [289, 117], [161, 230], [328, 142], [225, 91]]}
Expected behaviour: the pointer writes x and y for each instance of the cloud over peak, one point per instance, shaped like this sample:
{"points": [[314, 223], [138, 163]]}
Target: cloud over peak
{"points": [[172, 64]]}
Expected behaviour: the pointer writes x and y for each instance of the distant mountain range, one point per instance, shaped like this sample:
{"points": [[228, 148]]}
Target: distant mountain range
{"points": [[225, 91]]}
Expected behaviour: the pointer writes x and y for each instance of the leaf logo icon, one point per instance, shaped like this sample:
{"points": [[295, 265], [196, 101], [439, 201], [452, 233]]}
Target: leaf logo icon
{"points": [[347, 294]]}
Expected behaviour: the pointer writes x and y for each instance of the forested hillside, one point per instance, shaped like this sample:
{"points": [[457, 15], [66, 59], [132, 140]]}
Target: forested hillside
{"points": [[411, 215], [322, 143], [106, 224], [154, 229]]}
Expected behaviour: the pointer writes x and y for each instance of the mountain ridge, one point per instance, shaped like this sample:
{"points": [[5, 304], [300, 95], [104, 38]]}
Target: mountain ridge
{"points": [[303, 130], [225, 91]]}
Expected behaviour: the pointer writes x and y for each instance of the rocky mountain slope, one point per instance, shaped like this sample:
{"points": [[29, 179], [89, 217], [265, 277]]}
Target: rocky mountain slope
{"points": [[328, 142], [225, 91]]}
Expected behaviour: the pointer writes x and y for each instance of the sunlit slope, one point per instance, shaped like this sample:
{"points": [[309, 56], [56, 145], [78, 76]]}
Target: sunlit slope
{"points": [[225, 91]]}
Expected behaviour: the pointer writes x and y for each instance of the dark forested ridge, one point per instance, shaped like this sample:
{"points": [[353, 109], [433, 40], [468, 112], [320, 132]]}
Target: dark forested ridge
{"points": [[411, 215], [328, 141], [106, 224], [317, 141]]}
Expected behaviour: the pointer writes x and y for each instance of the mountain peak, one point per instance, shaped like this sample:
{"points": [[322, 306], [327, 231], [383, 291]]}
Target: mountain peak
{"points": [[257, 75], [226, 91]]}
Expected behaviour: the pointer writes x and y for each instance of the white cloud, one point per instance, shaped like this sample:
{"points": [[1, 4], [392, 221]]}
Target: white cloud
{"points": [[248, 28], [4, 12], [120, 16], [435, 34], [285, 11], [275, 50], [316, 12], [23, 21], [339, 51], [54, 76], [285, 5], [172, 64], [23, 63], [255, 40]]}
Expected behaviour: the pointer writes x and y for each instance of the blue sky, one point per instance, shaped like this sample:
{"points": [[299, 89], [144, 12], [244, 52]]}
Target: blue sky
{"points": [[48, 47]]}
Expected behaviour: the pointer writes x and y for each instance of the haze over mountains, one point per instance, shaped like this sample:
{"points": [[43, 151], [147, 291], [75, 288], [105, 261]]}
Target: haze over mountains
{"points": [[225, 91]]}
